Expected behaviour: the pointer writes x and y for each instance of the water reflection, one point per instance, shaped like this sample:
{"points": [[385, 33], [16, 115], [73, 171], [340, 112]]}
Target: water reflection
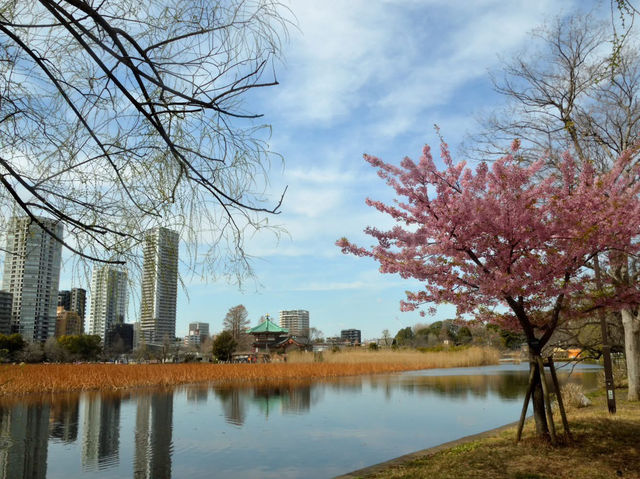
{"points": [[101, 432], [63, 422], [282, 399], [23, 435], [244, 429], [153, 431]]}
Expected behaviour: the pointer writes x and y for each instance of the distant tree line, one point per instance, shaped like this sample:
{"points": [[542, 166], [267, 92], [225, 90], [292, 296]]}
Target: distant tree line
{"points": [[81, 347], [456, 333]]}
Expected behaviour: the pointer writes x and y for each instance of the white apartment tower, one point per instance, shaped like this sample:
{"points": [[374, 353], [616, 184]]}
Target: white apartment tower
{"points": [[159, 286], [109, 299], [31, 275], [296, 321]]}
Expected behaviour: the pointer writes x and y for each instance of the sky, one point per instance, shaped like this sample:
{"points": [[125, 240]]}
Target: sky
{"points": [[360, 77]]}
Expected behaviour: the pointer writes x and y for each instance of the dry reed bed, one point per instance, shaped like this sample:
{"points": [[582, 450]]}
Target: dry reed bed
{"points": [[47, 378]]}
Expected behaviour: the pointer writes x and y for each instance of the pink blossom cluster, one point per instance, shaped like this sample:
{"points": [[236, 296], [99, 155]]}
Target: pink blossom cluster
{"points": [[505, 234]]}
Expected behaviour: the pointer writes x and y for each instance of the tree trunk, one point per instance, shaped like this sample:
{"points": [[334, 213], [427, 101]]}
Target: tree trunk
{"points": [[537, 400], [631, 325]]}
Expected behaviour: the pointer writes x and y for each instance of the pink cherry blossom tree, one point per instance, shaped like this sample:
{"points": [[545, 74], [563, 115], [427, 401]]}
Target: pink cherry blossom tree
{"points": [[506, 243]]}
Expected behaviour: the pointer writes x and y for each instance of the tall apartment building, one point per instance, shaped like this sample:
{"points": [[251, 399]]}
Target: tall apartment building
{"points": [[296, 321], [159, 286], [352, 335], [198, 333], [31, 275], [74, 300], [109, 299]]}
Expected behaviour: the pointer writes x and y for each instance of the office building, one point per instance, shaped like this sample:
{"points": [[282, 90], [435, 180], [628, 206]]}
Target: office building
{"points": [[120, 338], [68, 323], [351, 335], [109, 299], [296, 322], [74, 300], [31, 275], [159, 287], [198, 333], [6, 303]]}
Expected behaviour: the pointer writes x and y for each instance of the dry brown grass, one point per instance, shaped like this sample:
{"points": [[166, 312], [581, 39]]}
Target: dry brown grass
{"points": [[46, 378], [604, 446]]}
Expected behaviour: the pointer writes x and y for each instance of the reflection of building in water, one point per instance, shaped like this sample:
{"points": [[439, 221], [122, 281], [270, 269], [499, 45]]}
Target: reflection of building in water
{"points": [[296, 400], [233, 403], [24, 454], [197, 394], [63, 421], [289, 399], [153, 435], [101, 432]]}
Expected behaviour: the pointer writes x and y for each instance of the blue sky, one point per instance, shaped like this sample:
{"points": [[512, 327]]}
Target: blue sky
{"points": [[360, 76]]}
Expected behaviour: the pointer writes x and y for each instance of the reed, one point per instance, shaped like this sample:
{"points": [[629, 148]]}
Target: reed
{"points": [[50, 378]]}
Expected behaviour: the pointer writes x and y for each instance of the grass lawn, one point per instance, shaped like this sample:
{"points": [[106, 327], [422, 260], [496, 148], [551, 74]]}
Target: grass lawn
{"points": [[604, 446]]}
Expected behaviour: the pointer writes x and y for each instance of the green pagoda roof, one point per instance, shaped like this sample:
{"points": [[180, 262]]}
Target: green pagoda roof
{"points": [[268, 327]]}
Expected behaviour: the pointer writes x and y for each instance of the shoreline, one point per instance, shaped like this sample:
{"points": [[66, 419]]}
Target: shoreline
{"points": [[425, 453], [603, 445]]}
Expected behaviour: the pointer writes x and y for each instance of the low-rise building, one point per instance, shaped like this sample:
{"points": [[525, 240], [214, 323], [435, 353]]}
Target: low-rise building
{"points": [[68, 323], [352, 335], [198, 333], [267, 335]]}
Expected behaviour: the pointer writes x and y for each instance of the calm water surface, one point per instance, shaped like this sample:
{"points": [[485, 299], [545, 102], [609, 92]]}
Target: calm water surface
{"points": [[314, 430]]}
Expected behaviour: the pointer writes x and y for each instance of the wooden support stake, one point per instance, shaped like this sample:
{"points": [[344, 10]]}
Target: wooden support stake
{"points": [[547, 401], [525, 406], [556, 386]]}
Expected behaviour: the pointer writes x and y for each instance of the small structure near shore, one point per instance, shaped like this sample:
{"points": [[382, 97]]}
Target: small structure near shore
{"points": [[271, 338]]}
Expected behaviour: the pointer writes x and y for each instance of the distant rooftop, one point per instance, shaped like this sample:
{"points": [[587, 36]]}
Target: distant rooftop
{"points": [[268, 327]]}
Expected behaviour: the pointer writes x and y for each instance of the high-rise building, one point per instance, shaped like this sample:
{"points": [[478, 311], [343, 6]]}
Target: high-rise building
{"points": [[159, 286], [108, 299], [198, 333], [296, 321], [6, 306], [31, 275], [74, 300], [352, 335]]}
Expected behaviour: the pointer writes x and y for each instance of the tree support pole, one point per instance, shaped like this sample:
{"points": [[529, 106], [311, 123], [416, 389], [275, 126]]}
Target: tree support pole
{"points": [[525, 406], [606, 348], [547, 401], [556, 386]]}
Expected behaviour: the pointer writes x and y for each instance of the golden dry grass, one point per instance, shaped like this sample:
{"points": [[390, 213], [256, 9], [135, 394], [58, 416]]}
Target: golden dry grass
{"points": [[47, 378], [604, 446]]}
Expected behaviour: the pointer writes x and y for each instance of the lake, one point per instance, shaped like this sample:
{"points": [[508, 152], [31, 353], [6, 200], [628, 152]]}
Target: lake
{"points": [[300, 430]]}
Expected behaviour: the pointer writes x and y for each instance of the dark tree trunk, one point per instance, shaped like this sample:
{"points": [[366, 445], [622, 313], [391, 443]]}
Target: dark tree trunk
{"points": [[537, 400]]}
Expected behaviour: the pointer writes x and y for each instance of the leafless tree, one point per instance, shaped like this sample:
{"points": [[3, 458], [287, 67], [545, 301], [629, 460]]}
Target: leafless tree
{"points": [[577, 93], [236, 321], [119, 116], [567, 93]]}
